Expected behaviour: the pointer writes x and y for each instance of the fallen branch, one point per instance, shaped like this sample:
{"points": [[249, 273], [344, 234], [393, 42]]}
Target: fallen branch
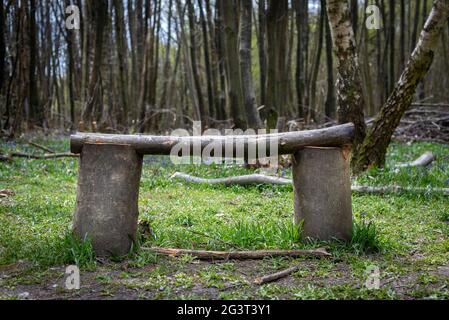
{"points": [[46, 149], [12, 155], [238, 180], [276, 276], [397, 189], [262, 179], [423, 161], [239, 255]]}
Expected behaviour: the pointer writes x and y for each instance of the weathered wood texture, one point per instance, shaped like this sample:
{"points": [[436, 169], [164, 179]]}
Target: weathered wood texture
{"points": [[322, 188], [108, 189], [239, 255], [288, 142]]}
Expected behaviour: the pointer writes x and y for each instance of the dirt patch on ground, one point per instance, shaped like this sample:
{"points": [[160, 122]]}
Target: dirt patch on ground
{"points": [[172, 278]]}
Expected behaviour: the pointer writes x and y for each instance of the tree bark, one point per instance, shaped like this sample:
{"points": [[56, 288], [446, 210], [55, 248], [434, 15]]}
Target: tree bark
{"points": [[330, 103], [234, 87], [374, 147], [349, 84], [122, 52], [93, 106], [287, 142], [249, 99], [204, 114]]}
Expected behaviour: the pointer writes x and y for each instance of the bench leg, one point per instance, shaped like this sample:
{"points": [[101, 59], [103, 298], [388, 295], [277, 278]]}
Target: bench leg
{"points": [[322, 188], [107, 196]]}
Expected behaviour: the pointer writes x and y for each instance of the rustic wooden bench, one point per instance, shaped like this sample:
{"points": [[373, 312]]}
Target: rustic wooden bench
{"points": [[110, 169]]}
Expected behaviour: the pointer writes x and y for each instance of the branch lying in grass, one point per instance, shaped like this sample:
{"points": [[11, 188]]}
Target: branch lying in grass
{"points": [[238, 180], [13, 155], [261, 179], [398, 189], [239, 255], [424, 160], [276, 276], [46, 149]]}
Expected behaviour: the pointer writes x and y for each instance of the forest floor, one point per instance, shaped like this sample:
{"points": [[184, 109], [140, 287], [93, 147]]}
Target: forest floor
{"points": [[405, 235]]}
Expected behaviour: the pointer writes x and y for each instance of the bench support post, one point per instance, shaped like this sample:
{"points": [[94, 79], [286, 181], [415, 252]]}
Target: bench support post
{"points": [[322, 189], [107, 196]]}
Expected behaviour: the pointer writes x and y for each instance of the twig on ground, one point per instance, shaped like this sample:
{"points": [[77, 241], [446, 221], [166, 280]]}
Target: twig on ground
{"points": [[16, 154], [276, 276], [46, 149], [239, 255]]}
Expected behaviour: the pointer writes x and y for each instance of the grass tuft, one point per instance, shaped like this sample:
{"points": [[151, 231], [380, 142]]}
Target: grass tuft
{"points": [[366, 237]]}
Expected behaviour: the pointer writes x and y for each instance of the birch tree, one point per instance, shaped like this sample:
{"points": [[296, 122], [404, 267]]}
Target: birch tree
{"points": [[349, 83], [374, 148]]}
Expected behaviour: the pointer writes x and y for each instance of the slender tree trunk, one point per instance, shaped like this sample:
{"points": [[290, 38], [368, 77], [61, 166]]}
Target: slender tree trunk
{"points": [[235, 97], [122, 50], [415, 24], [2, 49], [36, 111], [277, 22], [214, 63], [71, 72], [316, 63], [302, 29], [94, 100], [373, 150], [207, 62], [392, 40], [261, 50], [402, 36], [422, 84], [330, 104], [252, 114], [349, 84]]}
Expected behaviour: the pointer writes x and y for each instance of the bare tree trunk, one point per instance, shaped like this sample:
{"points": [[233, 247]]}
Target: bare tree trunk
{"points": [[207, 62], [316, 63], [349, 84], [252, 114], [261, 50], [234, 87], [122, 48], [301, 8], [373, 150], [204, 114], [2, 49], [71, 73], [330, 104], [277, 22], [402, 36], [94, 100], [391, 39], [36, 111]]}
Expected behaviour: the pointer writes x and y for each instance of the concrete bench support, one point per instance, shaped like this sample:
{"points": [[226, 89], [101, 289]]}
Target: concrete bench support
{"points": [[107, 197], [322, 191]]}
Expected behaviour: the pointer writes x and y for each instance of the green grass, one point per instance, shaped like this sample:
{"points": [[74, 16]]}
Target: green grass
{"points": [[389, 230]]}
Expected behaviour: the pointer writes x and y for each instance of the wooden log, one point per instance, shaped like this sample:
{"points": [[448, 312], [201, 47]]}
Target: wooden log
{"points": [[288, 142], [322, 192], [424, 160], [107, 195], [239, 255], [238, 180]]}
